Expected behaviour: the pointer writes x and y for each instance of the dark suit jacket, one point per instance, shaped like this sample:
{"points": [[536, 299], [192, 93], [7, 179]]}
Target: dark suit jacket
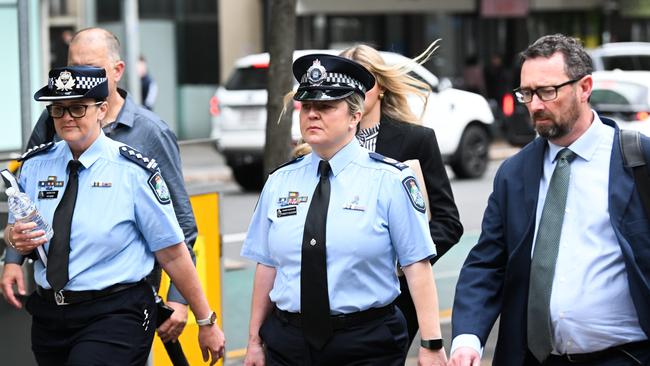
{"points": [[405, 141], [494, 278]]}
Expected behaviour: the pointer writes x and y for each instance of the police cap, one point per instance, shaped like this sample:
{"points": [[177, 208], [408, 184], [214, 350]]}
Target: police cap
{"points": [[329, 77], [74, 82]]}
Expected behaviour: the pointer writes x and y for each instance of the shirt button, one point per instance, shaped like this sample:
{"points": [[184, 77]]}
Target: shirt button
{"points": [[312, 242], [562, 279], [562, 316]]}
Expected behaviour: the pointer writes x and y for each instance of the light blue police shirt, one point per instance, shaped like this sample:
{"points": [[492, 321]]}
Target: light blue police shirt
{"points": [[371, 223], [118, 222]]}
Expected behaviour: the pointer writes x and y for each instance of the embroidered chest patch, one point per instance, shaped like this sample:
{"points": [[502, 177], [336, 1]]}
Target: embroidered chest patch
{"points": [[415, 196], [160, 190]]}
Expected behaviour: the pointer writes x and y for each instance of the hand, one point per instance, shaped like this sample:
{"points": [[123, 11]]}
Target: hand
{"points": [[254, 354], [23, 239], [428, 357], [212, 342], [13, 274], [172, 328], [465, 356]]}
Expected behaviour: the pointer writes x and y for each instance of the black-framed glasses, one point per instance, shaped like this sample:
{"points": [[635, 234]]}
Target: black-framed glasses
{"points": [[544, 93], [75, 110]]}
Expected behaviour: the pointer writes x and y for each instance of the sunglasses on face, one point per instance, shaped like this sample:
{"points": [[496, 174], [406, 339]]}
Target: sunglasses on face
{"points": [[75, 110]]}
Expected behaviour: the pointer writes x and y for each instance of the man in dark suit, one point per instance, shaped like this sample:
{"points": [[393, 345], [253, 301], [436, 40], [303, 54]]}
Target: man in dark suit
{"points": [[563, 257]]}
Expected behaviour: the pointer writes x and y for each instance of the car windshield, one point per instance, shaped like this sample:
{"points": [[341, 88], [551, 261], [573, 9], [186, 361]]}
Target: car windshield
{"points": [[611, 92], [627, 62], [248, 78]]}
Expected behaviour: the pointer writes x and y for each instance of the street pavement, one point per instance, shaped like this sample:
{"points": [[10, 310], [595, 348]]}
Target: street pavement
{"points": [[204, 166]]}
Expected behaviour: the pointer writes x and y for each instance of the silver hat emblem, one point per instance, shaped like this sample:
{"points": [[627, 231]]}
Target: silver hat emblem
{"points": [[316, 73], [65, 81]]}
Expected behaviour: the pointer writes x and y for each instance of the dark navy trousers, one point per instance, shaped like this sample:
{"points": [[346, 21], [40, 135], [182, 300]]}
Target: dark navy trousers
{"points": [[116, 329], [382, 341]]}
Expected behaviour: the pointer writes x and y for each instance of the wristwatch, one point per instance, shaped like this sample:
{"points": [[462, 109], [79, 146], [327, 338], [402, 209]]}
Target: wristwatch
{"points": [[211, 319], [432, 344]]}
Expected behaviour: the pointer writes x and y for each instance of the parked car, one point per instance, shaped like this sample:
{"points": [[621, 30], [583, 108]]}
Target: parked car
{"points": [[622, 56], [623, 96], [461, 120]]}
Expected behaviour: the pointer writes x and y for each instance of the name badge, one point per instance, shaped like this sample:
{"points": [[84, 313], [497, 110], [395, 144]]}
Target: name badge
{"points": [[44, 195], [287, 211]]}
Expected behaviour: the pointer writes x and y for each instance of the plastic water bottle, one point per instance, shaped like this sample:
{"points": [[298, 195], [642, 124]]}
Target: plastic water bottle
{"points": [[24, 210]]}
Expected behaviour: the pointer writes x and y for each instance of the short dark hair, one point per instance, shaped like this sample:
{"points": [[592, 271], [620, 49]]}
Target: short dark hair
{"points": [[577, 62]]}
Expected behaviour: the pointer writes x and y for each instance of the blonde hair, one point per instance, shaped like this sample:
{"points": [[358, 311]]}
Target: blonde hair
{"points": [[395, 80]]}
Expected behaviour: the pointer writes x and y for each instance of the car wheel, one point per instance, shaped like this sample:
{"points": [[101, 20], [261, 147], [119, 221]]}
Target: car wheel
{"points": [[249, 176], [470, 160]]}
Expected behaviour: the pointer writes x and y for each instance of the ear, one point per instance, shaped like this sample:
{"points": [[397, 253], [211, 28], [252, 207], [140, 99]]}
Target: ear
{"points": [[102, 110], [585, 87], [118, 70], [354, 120]]}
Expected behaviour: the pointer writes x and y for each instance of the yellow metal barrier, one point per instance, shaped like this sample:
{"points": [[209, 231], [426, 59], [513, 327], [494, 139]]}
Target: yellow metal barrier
{"points": [[209, 266]]}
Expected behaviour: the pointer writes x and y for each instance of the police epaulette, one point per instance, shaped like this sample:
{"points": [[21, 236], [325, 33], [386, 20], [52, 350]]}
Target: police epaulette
{"points": [[35, 150], [137, 157], [287, 163], [384, 159]]}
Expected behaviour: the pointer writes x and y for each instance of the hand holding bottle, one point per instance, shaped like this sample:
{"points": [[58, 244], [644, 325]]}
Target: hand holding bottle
{"points": [[24, 238], [30, 230]]}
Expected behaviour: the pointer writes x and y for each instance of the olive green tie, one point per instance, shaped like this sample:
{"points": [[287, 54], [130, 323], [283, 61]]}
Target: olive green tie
{"points": [[542, 268]]}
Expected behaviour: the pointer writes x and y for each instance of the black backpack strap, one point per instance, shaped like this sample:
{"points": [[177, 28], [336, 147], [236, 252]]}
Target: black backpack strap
{"points": [[634, 158]]}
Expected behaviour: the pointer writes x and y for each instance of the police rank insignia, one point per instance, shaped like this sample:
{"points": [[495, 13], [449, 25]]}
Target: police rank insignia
{"points": [[160, 190], [411, 187], [316, 73]]}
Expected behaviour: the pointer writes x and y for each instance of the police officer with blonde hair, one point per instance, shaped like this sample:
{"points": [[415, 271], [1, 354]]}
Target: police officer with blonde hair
{"points": [[327, 233]]}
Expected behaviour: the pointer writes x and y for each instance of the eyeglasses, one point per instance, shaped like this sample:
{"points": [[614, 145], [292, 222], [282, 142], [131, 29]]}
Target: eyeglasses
{"points": [[75, 110], [545, 93]]}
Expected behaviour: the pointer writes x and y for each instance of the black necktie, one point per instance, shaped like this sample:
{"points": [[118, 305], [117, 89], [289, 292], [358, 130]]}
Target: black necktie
{"points": [[59, 252], [314, 298]]}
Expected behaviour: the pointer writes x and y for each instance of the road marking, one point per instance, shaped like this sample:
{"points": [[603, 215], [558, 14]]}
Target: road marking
{"points": [[233, 238]]}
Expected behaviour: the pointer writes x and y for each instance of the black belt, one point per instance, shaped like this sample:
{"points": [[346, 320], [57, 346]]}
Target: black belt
{"points": [[339, 321], [602, 354], [64, 297]]}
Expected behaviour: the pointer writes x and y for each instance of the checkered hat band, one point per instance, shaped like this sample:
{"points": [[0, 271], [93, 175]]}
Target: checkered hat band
{"points": [[336, 78], [84, 82]]}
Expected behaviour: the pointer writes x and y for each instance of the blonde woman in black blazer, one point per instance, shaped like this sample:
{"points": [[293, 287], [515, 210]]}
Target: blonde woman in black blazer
{"points": [[389, 127]]}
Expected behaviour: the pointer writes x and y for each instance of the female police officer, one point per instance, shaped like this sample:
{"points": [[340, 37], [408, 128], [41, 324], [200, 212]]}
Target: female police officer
{"points": [[111, 215], [325, 279]]}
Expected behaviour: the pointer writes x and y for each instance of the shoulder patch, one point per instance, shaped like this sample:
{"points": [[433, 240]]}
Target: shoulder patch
{"points": [[413, 191], [35, 150], [387, 160], [287, 163], [137, 157], [159, 187]]}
